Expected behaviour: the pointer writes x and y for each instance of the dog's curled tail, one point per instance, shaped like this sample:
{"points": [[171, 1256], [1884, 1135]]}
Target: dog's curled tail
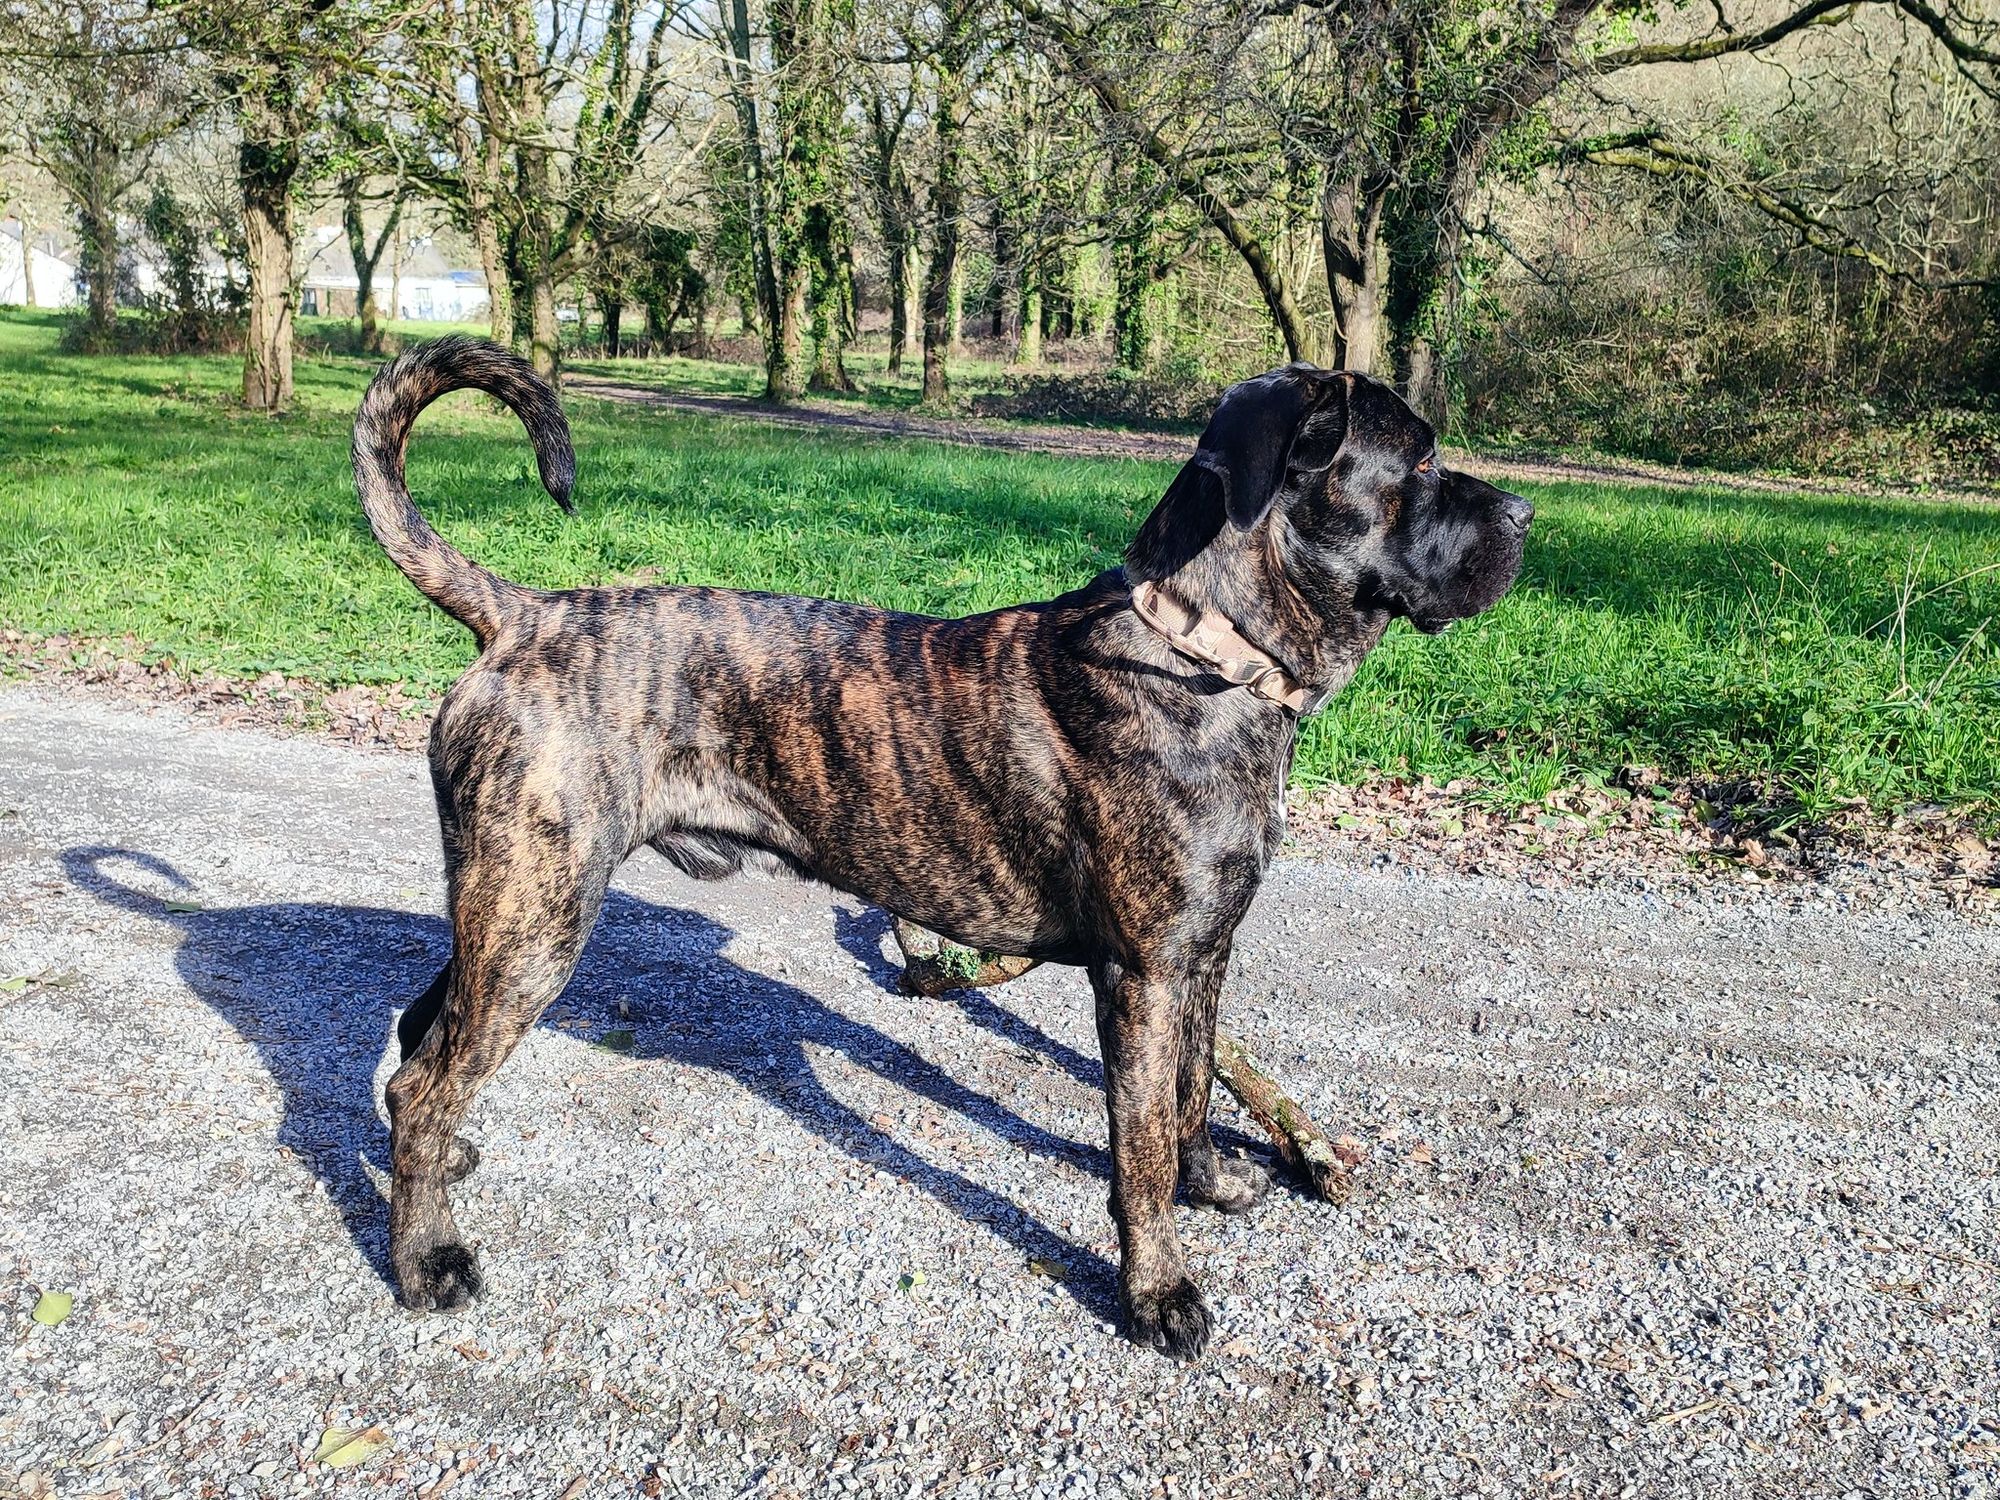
{"points": [[479, 599]]}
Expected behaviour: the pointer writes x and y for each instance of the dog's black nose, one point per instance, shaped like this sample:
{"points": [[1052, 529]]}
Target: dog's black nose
{"points": [[1516, 512]]}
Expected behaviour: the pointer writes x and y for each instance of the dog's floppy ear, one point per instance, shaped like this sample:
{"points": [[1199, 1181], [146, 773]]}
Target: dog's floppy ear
{"points": [[1248, 443], [1255, 434]]}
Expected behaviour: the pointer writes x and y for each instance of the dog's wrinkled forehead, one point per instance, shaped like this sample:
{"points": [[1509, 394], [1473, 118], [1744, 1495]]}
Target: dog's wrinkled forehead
{"points": [[1381, 420]]}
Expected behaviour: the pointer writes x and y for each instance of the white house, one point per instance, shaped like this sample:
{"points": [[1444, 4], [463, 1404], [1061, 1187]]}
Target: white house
{"points": [[54, 278], [426, 287]]}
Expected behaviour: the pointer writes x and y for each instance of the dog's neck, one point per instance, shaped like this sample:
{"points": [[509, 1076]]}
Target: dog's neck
{"points": [[1307, 622]]}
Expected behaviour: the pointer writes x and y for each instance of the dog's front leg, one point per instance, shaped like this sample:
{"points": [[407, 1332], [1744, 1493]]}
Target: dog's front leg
{"points": [[1234, 1187], [1138, 1028]]}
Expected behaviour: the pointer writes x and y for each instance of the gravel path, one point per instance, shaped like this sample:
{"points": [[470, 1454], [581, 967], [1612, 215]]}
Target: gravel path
{"points": [[1670, 1195]]}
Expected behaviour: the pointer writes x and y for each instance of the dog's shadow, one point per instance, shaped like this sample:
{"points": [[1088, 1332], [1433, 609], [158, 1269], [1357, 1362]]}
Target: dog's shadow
{"points": [[316, 987], [862, 935]]}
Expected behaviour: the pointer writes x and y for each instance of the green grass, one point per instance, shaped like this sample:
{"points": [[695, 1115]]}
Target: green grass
{"points": [[878, 389], [1715, 634]]}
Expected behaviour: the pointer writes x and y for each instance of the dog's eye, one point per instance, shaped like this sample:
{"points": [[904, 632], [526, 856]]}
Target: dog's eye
{"points": [[1428, 466]]}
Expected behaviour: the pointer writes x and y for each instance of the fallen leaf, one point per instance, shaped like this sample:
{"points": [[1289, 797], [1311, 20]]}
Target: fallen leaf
{"points": [[185, 906], [51, 1308], [617, 1040], [14, 985], [911, 1280], [1420, 1153], [1351, 1150], [1684, 1413], [342, 1449], [1041, 1265], [1240, 1347]]}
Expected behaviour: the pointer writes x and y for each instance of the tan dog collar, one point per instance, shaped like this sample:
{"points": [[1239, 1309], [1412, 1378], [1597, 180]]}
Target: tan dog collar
{"points": [[1209, 638]]}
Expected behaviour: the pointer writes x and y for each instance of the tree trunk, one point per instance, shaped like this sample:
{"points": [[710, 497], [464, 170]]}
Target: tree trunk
{"points": [[614, 312], [365, 310], [1134, 300], [366, 260], [941, 277], [763, 260], [484, 157], [265, 169], [396, 279], [1028, 347], [98, 230], [958, 300], [1350, 245], [832, 298], [1005, 324], [808, 204], [27, 255], [937, 284], [544, 328], [785, 362], [899, 305]]}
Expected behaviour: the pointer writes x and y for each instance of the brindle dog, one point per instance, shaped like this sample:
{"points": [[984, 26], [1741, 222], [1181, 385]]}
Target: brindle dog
{"points": [[1054, 780]]}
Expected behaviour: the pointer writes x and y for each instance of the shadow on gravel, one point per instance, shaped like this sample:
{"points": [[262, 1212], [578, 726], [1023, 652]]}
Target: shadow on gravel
{"points": [[863, 935], [315, 988]]}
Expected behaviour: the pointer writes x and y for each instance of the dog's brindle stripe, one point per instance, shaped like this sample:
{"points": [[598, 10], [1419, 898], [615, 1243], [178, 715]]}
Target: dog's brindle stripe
{"points": [[1050, 780]]}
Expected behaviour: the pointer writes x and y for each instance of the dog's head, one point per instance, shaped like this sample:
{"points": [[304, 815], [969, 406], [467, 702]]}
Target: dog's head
{"points": [[1344, 484]]}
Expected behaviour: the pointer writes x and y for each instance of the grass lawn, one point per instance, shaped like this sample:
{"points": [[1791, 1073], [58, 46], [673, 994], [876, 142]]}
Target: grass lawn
{"points": [[878, 390], [1834, 648]]}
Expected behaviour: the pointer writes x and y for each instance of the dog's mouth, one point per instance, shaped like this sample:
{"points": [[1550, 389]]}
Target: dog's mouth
{"points": [[1381, 598]]}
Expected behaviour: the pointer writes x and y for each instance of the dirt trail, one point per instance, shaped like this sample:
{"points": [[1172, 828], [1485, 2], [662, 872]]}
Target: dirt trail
{"points": [[1167, 447]]}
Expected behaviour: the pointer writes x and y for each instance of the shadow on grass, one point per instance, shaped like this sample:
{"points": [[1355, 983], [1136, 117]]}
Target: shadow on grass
{"points": [[315, 988]]}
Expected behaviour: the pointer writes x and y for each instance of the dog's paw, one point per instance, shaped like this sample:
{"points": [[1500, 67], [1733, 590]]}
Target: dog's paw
{"points": [[1176, 1322], [446, 1278], [461, 1160], [1233, 1187]]}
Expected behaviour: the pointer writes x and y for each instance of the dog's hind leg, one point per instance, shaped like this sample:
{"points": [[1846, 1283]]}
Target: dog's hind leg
{"points": [[1234, 1187], [523, 903], [411, 1028]]}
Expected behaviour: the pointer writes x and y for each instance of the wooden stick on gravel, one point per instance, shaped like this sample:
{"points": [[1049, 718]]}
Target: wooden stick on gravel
{"points": [[932, 965]]}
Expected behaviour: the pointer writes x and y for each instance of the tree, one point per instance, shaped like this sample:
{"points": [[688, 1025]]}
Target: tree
{"points": [[370, 173], [275, 66], [809, 44], [1395, 114], [540, 116], [949, 62], [893, 196], [96, 87]]}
